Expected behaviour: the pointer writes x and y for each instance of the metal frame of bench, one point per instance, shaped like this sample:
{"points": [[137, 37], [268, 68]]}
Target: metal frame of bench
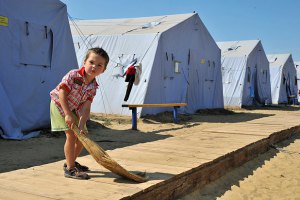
{"points": [[293, 99], [133, 108]]}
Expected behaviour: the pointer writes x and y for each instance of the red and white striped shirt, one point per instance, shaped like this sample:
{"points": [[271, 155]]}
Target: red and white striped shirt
{"points": [[78, 91]]}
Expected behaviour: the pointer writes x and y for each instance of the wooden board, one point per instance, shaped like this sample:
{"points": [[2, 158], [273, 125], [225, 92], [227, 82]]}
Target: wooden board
{"points": [[153, 105]]}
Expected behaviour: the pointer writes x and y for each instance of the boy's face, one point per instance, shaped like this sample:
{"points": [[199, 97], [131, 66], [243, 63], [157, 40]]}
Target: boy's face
{"points": [[94, 65]]}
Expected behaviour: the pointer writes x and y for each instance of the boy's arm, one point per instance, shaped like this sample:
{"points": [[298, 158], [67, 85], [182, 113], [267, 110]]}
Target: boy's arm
{"points": [[85, 113], [65, 106]]}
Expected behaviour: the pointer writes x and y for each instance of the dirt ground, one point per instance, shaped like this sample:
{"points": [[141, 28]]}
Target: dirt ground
{"points": [[272, 175], [112, 132]]}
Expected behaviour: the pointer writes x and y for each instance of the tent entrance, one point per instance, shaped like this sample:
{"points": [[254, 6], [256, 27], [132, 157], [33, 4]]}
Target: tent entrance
{"points": [[254, 85]]}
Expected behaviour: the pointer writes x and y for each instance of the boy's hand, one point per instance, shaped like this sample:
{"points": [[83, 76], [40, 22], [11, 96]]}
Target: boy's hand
{"points": [[69, 120], [83, 132]]}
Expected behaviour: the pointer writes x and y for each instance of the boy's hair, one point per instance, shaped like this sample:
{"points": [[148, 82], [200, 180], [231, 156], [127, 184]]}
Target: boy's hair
{"points": [[99, 51]]}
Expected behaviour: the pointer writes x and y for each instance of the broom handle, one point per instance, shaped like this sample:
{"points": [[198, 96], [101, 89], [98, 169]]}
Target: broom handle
{"points": [[79, 135], [105, 160]]}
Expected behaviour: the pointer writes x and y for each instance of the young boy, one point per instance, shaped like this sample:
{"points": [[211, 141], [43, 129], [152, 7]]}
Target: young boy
{"points": [[71, 102]]}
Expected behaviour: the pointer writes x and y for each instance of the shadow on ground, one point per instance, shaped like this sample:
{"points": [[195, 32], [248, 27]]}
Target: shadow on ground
{"points": [[214, 115], [149, 176], [48, 147], [275, 107]]}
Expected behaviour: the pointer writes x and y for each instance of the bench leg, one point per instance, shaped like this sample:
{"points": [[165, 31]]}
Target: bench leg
{"points": [[134, 118], [175, 120]]}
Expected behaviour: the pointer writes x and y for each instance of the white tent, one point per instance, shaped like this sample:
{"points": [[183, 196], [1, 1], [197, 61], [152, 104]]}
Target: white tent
{"points": [[245, 73], [297, 65], [283, 77], [180, 62], [36, 51]]}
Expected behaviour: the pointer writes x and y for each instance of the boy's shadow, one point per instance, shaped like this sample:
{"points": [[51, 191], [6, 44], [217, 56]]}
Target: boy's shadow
{"points": [[148, 175]]}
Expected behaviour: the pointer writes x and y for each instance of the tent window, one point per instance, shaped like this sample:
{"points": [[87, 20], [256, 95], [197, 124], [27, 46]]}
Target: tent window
{"points": [[223, 71], [272, 59], [150, 25], [211, 70], [248, 74], [177, 67], [295, 80], [36, 45], [234, 47], [265, 76], [227, 75]]}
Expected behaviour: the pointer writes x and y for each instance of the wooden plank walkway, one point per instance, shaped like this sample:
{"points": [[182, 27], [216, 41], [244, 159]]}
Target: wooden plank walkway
{"points": [[174, 164]]}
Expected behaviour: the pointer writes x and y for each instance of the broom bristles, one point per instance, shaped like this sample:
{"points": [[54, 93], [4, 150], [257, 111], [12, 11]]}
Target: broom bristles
{"points": [[103, 158]]}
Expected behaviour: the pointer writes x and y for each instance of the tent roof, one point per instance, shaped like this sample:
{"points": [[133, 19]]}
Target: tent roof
{"points": [[277, 59], [237, 48], [128, 25]]}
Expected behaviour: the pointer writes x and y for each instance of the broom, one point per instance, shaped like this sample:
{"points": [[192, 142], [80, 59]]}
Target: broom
{"points": [[103, 158]]}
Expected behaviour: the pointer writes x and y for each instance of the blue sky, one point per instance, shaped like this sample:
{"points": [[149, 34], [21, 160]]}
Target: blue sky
{"points": [[275, 22]]}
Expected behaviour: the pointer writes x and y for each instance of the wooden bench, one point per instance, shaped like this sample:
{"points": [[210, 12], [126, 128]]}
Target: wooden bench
{"points": [[133, 107]]}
